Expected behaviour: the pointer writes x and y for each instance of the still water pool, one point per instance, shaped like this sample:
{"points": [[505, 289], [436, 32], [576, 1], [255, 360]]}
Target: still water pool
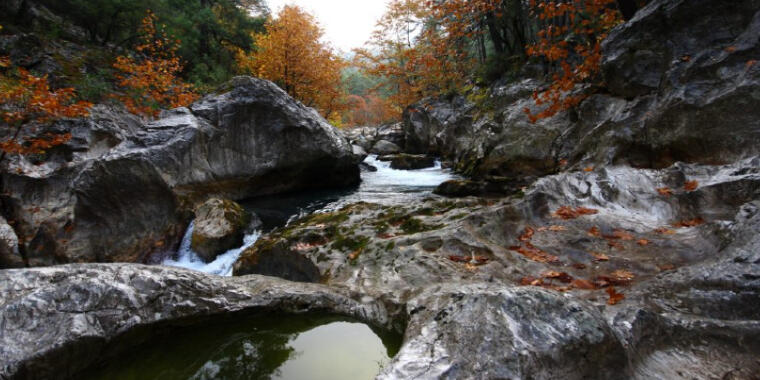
{"points": [[292, 347]]}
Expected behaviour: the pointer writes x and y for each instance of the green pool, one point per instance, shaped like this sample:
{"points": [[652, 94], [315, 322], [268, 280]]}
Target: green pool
{"points": [[298, 347]]}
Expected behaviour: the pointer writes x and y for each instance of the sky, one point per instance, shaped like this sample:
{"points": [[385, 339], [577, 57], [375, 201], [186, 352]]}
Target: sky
{"points": [[347, 23]]}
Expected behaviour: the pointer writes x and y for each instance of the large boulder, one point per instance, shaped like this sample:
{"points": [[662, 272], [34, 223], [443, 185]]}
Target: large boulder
{"points": [[122, 189], [385, 147], [218, 227], [277, 260], [681, 84], [9, 254]]}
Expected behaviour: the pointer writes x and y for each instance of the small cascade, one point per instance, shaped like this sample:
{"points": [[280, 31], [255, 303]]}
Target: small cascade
{"points": [[222, 266]]}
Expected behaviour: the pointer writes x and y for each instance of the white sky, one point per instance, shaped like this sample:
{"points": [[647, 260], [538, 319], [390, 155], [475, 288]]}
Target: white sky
{"points": [[347, 23]]}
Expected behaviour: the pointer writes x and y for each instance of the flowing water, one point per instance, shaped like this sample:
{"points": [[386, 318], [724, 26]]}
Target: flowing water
{"points": [[385, 186], [316, 347]]}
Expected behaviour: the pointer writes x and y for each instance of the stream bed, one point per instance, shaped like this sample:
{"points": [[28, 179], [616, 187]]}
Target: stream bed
{"points": [[385, 186]]}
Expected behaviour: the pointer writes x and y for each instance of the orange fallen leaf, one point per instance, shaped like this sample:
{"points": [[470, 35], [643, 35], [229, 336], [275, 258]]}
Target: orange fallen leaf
{"points": [[666, 267], [615, 297], [666, 191], [557, 228], [599, 256], [536, 254], [527, 234], [567, 212], [620, 234], [595, 232], [664, 231], [563, 162], [588, 169], [691, 185], [730, 49], [615, 244], [642, 242], [622, 275], [686, 58], [560, 276], [460, 259], [355, 254], [751, 63], [583, 284], [689, 223]]}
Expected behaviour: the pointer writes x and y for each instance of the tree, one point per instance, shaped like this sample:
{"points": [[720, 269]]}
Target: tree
{"points": [[149, 79], [27, 101], [292, 55], [571, 41]]}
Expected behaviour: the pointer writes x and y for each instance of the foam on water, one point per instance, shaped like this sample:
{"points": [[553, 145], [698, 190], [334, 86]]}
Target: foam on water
{"points": [[222, 266]]}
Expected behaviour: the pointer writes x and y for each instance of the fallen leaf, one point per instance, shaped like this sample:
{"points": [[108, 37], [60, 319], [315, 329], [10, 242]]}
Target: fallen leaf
{"points": [[622, 275], [686, 58], [525, 281], [560, 276], [563, 162], [600, 256], [579, 266], [480, 260], [355, 254], [567, 212], [666, 191], [751, 63], [594, 231], [588, 169], [666, 267], [158, 244], [536, 254], [615, 244], [460, 259], [527, 234], [557, 228], [730, 49], [620, 234], [583, 284], [615, 297], [642, 242], [691, 185], [689, 223], [664, 231]]}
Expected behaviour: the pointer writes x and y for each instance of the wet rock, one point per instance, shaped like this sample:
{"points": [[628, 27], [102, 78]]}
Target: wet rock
{"points": [[384, 147], [412, 161], [359, 152], [58, 321], [276, 260], [219, 226], [367, 167], [122, 189], [9, 255], [459, 188]]}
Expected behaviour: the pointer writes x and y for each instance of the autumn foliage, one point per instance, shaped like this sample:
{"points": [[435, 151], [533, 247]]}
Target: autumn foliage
{"points": [[292, 55], [570, 41], [150, 78], [27, 101]]}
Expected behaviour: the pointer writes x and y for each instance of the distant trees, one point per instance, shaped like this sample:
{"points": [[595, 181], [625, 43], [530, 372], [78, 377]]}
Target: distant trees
{"points": [[292, 55], [149, 78]]}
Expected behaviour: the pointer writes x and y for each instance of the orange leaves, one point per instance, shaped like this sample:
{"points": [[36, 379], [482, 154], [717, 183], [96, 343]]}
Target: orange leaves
{"points": [[599, 256], [590, 23], [292, 55], [527, 234], [689, 223], [567, 212], [531, 252], [150, 82], [691, 185], [664, 231], [615, 297], [665, 191], [24, 99]]}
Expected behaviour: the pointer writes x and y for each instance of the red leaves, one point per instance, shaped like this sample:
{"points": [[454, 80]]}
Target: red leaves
{"points": [[691, 185], [527, 234], [583, 284], [664, 231], [536, 254], [567, 212], [665, 191], [599, 256], [643, 242], [615, 297], [689, 223], [594, 232]]}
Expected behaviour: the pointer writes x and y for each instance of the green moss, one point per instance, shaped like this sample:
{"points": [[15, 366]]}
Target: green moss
{"points": [[390, 246], [327, 218], [428, 211], [413, 226], [350, 243]]}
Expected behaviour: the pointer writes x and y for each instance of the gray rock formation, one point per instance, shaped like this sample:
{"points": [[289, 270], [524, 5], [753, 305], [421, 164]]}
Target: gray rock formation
{"points": [[9, 256], [219, 226], [385, 147], [122, 189], [367, 137], [412, 161], [57, 321], [681, 85]]}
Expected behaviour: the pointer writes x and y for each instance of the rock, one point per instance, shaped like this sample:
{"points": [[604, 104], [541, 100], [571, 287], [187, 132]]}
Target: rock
{"points": [[110, 308], [459, 188], [367, 167], [9, 255], [677, 78], [219, 226], [456, 267], [412, 161], [122, 190], [384, 147], [276, 260], [359, 152]]}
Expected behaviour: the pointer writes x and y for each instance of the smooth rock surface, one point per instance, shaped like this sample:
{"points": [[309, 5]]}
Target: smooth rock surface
{"points": [[384, 147], [412, 161]]}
